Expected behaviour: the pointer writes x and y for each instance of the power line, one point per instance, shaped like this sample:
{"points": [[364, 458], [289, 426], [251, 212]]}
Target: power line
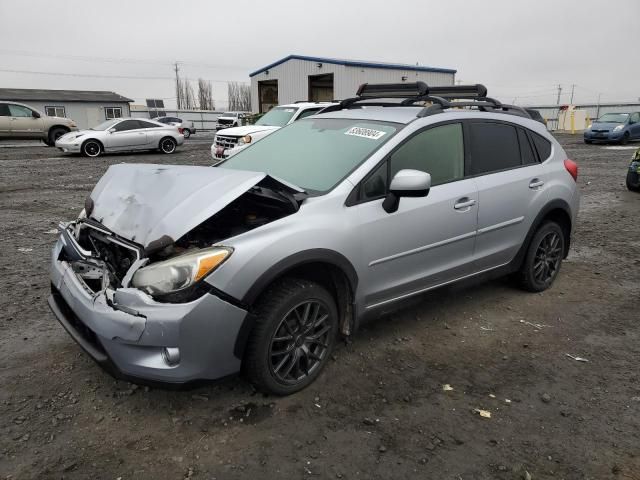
{"points": [[89, 75], [85, 58]]}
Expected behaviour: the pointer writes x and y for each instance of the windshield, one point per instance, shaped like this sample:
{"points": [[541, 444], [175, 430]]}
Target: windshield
{"points": [[277, 117], [315, 153], [105, 125], [229, 114], [614, 118]]}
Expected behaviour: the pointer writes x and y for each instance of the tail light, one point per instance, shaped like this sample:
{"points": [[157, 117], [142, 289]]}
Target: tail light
{"points": [[572, 168], [180, 130]]}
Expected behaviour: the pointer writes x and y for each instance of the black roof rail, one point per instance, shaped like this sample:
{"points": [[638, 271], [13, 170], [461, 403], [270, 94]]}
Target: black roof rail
{"points": [[392, 90], [441, 98], [460, 91]]}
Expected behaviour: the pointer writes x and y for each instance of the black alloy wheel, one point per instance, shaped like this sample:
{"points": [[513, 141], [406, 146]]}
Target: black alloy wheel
{"points": [[300, 342]]}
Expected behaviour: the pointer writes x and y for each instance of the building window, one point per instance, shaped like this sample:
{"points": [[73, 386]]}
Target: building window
{"points": [[112, 112], [54, 111]]}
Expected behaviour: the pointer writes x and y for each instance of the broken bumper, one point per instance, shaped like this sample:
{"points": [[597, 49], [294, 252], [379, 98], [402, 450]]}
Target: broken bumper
{"points": [[130, 334]]}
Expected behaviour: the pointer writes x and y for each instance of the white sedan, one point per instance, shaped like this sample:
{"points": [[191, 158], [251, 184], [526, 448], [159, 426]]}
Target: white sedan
{"points": [[122, 134]]}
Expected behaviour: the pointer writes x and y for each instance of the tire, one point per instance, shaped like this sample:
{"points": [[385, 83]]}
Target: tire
{"points": [[186, 133], [588, 142], [625, 139], [291, 311], [168, 145], [92, 148], [543, 259], [55, 134], [633, 181]]}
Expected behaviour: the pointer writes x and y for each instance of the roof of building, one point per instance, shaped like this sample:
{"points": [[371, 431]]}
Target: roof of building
{"points": [[356, 63], [36, 94]]}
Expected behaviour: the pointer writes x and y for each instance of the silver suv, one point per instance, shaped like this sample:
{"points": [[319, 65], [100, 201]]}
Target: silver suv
{"points": [[182, 273]]}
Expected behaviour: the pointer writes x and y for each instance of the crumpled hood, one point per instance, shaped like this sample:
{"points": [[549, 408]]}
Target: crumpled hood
{"points": [[247, 130], [143, 202]]}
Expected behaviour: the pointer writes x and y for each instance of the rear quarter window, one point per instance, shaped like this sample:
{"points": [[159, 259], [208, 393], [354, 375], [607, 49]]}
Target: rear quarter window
{"points": [[543, 146]]}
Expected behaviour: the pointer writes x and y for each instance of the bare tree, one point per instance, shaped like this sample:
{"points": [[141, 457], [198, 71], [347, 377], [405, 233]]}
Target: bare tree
{"points": [[188, 97], [239, 96], [205, 95]]}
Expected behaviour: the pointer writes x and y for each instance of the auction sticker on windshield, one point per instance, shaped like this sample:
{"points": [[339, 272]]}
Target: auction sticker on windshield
{"points": [[365, 133]]}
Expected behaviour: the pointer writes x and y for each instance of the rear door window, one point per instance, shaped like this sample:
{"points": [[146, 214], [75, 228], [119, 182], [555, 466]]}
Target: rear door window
{"points": [[493, 147], [526, 150]]}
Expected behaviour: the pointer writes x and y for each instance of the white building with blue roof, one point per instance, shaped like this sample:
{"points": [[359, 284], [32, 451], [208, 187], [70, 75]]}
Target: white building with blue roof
{"points": [[303, 78]]}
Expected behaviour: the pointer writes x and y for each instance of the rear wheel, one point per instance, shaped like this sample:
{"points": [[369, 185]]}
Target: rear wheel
{"points": [[296, 329], [91, 148], [543, 259], [186, 133], [168, 145]]}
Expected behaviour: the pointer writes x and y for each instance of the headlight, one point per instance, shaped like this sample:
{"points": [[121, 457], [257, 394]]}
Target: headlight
{"points": [[618, 128], [589, 126], [82, 214], [179, 272], [245, 139]]}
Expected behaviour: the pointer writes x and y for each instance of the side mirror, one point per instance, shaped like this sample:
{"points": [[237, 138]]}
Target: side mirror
{"points": [[112, 130], [35, 114], [406, 183]]}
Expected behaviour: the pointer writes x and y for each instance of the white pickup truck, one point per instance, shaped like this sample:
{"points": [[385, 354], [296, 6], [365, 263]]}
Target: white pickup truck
{"points": [[232, 140]]}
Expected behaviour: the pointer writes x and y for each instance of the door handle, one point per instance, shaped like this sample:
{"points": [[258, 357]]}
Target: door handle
{"points": [[536, 183], [464, 204]]}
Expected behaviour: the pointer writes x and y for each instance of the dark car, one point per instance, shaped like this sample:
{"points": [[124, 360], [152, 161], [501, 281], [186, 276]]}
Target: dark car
{"points": [[614, 127], [535, 115], [633, 174]]}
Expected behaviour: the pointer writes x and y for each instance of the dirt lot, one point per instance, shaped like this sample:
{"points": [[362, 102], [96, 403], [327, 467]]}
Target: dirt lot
{"points": [[379, 410]]}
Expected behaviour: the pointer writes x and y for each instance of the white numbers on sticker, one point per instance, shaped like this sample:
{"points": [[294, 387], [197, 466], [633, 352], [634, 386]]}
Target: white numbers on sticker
{"points": [[365, 132]]}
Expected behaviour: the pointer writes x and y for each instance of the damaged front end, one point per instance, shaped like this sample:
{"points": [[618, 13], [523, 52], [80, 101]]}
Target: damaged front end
{"points": [[131, 289]]}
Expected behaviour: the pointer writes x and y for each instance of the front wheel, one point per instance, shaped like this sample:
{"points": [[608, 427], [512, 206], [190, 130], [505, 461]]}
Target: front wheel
{"points": [[55, 134], [625, 139], [633, 181], [543, 259], [91, 148], [296, 330], [168, 145]]}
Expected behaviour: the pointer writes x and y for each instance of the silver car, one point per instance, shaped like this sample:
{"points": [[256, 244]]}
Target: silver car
{"points": [[182, 273], [186, 127], [122, 134]]}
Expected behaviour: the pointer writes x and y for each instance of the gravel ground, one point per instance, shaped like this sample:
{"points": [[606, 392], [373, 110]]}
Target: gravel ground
{"points": [[379, 410]]}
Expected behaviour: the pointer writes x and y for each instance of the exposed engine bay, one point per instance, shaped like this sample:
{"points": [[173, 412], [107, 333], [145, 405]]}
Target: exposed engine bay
{"points": [[102, 259]]}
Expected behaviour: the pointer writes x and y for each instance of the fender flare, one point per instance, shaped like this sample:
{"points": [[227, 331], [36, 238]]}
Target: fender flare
{"points": [[297, 260], [557, 204], [280, 268]]}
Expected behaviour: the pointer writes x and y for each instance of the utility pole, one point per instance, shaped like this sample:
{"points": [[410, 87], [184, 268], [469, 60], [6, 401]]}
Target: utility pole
{"points": [[573, 86], [178, 93], [559, 93], [598, 109]]}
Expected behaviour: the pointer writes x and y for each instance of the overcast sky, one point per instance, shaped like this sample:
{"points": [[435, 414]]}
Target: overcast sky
{"points": [[519, 49]]}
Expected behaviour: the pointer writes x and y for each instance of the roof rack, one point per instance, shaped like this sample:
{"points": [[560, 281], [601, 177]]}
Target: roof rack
{"points": [[441, 98]]}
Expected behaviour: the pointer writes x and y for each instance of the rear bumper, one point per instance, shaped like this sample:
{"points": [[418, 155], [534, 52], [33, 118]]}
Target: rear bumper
{"points": [[126, 332]]}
